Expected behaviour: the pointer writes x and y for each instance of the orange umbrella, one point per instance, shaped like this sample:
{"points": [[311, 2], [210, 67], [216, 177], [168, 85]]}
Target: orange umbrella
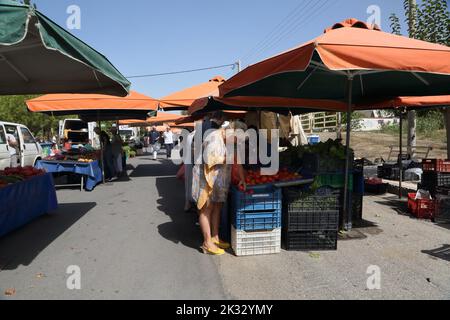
{"points": [[162, 117], [350, 63], [96, 107], [182, 100], [380, 65]]}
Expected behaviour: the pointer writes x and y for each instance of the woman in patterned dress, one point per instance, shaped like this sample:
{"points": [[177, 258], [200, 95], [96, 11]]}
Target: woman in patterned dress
{"points": [[210, 186]]}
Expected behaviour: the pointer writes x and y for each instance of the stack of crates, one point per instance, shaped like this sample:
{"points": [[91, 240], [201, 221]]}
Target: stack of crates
{"points": [[311, 219], [442, 207], [256, 220], [436, 173]]}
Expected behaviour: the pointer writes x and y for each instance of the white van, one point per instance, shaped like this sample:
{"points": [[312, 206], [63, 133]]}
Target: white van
{"points": [[29, 150], [78, 131]]}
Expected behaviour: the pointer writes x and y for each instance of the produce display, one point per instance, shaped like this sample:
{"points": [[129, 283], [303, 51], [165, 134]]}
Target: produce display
{"points": [[329, 151], [255, 178], [76, 155], [15, 175]]}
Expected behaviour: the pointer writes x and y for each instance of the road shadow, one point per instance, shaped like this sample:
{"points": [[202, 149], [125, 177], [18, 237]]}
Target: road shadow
{"points": [[156, 169], [182, 228], [21, 247], [440, 253], [398, 205]]}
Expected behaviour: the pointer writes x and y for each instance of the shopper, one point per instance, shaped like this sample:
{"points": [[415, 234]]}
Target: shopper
{"points": [[154, 143], [210, 186], [105, 143], [13, 147], [117, 151], [168, 142]]}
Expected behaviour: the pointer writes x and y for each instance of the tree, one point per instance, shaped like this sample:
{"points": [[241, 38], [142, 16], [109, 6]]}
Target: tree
{"points": [[429, 22], [13, 109], [395, 24]]}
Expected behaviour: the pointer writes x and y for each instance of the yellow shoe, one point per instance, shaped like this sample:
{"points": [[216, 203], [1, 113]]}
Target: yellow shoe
{"points": [[222, 245], [219, 252]]}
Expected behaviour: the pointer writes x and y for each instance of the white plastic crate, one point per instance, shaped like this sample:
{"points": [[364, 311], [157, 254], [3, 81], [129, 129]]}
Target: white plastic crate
{"points": [[252, 243]]}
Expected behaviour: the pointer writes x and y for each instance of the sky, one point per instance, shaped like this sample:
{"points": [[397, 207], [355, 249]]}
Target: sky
{"points": [[158, 36]]}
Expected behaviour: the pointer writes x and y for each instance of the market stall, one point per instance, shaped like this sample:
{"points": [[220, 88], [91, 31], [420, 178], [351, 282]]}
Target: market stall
{"points": [[85, 165], [359, 65], [38, 56], [25, 194]]}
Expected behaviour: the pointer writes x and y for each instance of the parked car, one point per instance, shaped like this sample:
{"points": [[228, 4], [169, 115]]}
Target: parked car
{"points": [[29, 150]]}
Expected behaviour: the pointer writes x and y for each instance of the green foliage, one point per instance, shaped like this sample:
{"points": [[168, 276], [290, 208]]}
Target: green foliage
{"points": [[13, 109], [427, 124], [395, 24], [356, 120], [429, 21]]}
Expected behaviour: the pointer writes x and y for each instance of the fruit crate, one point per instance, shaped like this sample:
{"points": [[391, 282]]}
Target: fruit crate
{"points": [[315, 164], [306, 211], [310, 240], [442, 212], [432, 179], [421, 208], [253, 243], [437, 165], [257, 209]]}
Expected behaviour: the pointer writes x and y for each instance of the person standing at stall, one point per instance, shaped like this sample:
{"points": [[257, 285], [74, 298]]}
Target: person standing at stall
{"points": [[117, 151], [168, 142], [154, 142], [105, 143], [211, 184], [13, 146]]}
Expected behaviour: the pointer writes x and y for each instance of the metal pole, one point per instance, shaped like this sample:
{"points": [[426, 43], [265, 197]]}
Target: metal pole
{"points": [[400, 160], [238, 63], [346, 205], [101, 152]]}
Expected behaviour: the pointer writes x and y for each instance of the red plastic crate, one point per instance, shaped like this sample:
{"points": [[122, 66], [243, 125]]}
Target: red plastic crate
{"points": [[437, 165], [421, 208]]}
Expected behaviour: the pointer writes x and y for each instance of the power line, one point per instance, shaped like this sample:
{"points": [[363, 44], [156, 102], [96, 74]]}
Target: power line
{"points": [[303, 23], [179, 72], [272, 33], [308, 14], [282, 29]]}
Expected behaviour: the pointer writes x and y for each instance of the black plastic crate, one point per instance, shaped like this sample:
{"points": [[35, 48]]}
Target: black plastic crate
{"points": [[310, 240], [305, 211], [357, 206], [377, 189], [431, 180], [442, 212], [315, 164]]}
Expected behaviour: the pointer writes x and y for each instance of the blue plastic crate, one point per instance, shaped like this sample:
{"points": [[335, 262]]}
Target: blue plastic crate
{"points": [[264, 198], [258, 211], [257, 220]]}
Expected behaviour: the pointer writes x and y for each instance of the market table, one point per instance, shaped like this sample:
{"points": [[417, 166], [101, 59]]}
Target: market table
{"points": [[89, 171], [24, 201]]}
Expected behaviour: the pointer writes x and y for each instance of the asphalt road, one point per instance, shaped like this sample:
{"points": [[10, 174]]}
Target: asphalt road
{"points": [[132, 240]]}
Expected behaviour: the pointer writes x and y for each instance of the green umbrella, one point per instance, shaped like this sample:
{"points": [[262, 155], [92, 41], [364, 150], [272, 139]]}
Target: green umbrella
{"points": [[38, 56]]}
